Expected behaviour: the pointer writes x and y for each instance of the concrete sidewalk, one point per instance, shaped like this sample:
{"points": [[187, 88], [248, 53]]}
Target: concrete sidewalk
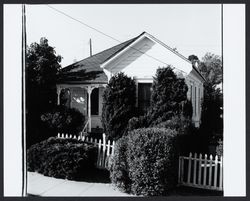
{"points": [[41, 185]]}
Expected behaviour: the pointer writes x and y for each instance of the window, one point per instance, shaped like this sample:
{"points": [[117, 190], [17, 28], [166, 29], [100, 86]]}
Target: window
{"points": [[144, 95], [95, 102]]}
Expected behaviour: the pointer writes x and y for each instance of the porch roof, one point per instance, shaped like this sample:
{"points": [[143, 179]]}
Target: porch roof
{"points": [[88, 70]]}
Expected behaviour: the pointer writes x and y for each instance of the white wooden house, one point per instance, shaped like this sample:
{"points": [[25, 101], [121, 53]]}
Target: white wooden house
{"points": [[139, 58]]}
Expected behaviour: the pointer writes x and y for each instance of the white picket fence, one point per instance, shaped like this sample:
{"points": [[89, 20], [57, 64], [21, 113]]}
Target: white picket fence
{"points": [[105, 147], [201, 172]]}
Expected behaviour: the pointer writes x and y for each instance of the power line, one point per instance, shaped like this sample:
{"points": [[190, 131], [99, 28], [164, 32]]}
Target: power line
{"points": [[65, 14]]}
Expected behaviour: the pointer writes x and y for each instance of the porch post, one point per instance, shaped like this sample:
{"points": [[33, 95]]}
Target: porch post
{"points": [[58, 89], [89, 89]]}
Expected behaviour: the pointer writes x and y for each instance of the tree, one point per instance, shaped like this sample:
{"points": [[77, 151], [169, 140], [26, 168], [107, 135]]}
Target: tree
{"points": [[212, 122], [211, 68], [118, 105], [42, 68], [168, 95]]}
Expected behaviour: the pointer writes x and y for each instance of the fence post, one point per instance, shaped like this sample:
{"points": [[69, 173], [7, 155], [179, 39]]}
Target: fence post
{"points": [[62, 135], [215, 171], [195, 161], [99, 153], [221, 172], [70, 136], [210, 170], [108, 151], [200, 163], [113, 148], [189, 166], [104, 149], [205, 171], [58, 135]]}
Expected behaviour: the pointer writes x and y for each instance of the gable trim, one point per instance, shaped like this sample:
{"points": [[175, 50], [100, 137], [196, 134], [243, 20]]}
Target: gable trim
{"points": [[140, 37]]}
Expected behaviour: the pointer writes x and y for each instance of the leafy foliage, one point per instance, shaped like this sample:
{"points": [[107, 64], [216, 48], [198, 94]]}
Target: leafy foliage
{"points": [[147, 162], [211, 117], [62, 158], [64, 120], [212, 121], [119, 170], [42, 68], [211, 68], [169, 92], [118, 105]]}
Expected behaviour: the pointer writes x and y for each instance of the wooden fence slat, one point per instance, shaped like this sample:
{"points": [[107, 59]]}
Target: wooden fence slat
{"points": [[205, 171], [70, 136], [215, 171], [189, 167], [99, 153], [221, 172], [199, 174], [210, 170], [195, 161], [113, 148]]}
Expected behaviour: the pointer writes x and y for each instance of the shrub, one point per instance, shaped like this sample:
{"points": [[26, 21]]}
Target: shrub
{"points": [[137, 122], [167, 97], [118, 105], [219, 148], [146, 162], [64, 120], [62, 158], [119, 174]]}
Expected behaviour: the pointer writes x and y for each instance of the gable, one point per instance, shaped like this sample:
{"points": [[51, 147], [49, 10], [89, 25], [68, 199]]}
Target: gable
{"points": [[142, 58]]}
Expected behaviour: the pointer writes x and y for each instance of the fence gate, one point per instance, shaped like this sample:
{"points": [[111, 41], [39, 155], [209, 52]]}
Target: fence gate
{"points": [[201, 172]]}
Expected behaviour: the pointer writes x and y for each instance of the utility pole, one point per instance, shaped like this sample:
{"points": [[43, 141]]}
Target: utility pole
{"points": [[90, 46], [24, 167]]}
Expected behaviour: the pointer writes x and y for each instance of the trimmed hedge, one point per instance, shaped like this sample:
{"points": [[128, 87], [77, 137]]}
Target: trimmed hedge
{"points": [[62, 158], [119, 174], [146, 162]]}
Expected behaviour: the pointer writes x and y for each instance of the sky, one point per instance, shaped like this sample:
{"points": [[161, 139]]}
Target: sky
{"points": [[191, 28]]}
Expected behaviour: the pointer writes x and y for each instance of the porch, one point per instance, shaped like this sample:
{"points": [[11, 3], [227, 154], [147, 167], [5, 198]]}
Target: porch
{"points": [[87, 98]]}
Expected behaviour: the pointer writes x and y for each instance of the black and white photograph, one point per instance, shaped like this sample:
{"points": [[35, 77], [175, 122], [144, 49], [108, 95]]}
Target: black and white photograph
{"points": [[121, 100]]}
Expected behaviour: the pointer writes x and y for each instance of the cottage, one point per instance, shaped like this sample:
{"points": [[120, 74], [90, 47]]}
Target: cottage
{"points": [[83, 82]]}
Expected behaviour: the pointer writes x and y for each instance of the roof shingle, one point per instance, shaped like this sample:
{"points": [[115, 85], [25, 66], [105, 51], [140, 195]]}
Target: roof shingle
{"points": [[88, 70]]}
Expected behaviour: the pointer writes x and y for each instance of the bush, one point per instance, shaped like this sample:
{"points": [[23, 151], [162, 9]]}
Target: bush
{"points": [[119, 174], [62, 158], [64, 120], [118, 105], [168, 94], [148, 162], [137, 122]]}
